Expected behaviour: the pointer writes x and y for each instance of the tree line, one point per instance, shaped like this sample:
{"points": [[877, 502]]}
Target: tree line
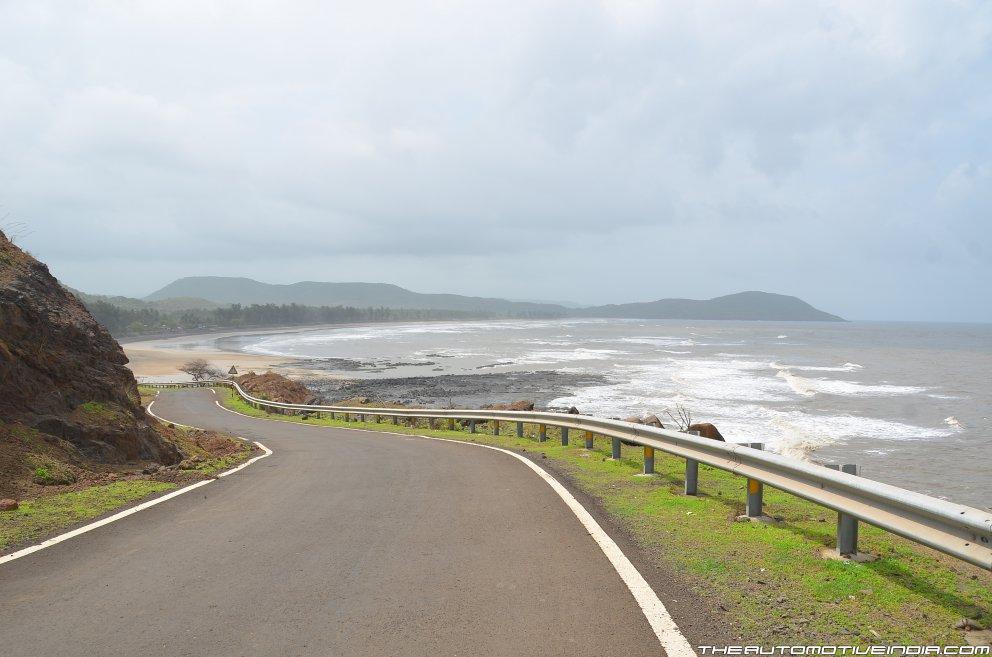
{"points": [[121, 321]]}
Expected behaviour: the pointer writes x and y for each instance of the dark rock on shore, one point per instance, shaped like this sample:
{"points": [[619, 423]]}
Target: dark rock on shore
{"points": [[653, 421], [276, 387], [706, 430], [459, 390], [521, 405]]}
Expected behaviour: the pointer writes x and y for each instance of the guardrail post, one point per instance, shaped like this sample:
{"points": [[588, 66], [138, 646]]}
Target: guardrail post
{"points": [[648, 460], [588, 437], [495, 427], [451, 424], [616, 449], [361, 417], [520, 429], [847, 525], [754, 492], [692, 473], [564, 435], [332, 415], [396, 419], [542, 433], [471, 426]]}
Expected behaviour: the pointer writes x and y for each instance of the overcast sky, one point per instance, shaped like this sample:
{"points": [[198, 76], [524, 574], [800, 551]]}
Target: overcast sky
{"points": [[583, 151]]}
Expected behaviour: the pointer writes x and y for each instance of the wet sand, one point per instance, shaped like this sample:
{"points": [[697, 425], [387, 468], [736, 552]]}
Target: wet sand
{"points": [[160, 360]]}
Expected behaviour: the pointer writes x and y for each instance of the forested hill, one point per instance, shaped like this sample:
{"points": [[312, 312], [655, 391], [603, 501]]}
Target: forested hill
{"points": [[227, 290], [208, 302], [741, 306], [124, 321]]}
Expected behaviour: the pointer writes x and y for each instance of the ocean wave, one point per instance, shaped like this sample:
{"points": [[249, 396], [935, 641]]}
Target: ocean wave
{"points": [[551, 357], [953, 422], [732, 379], [809, 387], [846, 367], [791, 432], [657, 341]]}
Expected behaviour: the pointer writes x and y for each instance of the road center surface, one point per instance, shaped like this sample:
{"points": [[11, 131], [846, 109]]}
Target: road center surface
{"points": [[341, 543]]}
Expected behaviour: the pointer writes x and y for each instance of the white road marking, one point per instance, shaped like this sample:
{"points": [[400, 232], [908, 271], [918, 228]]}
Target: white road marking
{"points": [[668, 633], [55, 540]]}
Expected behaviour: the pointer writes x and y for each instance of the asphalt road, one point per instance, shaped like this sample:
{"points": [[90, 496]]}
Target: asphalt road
{"points": [[340, 543]]}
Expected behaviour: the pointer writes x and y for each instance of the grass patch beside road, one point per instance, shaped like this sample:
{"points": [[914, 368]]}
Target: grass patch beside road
{"points": [[47, 515], [770, 577]]}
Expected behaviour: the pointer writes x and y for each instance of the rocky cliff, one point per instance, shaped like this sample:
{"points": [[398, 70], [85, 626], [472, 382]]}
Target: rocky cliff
{"points": [[61, 372]]}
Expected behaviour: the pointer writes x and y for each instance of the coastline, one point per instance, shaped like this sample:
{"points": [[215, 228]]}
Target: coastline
{"points": [[159, 359]]}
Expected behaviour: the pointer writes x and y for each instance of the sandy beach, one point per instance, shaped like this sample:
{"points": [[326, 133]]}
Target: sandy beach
{"points": [[160, 360]]}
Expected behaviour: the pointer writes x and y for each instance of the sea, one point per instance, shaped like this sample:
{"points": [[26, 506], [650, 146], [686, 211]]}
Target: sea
{"points": [[908, 403]]}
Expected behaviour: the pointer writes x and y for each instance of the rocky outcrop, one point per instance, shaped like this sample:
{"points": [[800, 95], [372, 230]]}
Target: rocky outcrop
{"points": [[653, 421], [519, 405], [276, 387], [706, 430], [61, 372]]}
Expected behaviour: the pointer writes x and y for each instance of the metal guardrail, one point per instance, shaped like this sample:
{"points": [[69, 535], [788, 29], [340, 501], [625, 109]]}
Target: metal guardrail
{"points": [[960, 531]]}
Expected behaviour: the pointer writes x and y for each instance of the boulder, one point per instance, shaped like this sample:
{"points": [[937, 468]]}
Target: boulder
{"points": [[277, 388], [706, 430], [653, 421], [573, 411], [8, 505], [968, 624], [633, 419]]}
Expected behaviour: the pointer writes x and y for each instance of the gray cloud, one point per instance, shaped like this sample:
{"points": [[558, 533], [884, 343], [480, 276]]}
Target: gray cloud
{"points": [[606, 151]]}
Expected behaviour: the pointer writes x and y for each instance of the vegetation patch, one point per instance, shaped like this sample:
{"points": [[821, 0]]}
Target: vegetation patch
{"points": [[95, 413], [50, 472], [46, 515], [770, 577]]}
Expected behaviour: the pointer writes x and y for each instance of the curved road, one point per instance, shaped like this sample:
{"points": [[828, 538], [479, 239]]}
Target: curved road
{"points": [[340, 543]]}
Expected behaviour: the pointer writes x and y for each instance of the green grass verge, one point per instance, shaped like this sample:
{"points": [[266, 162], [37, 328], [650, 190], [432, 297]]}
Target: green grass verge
{"points": [[147, 394], [771, 577], [46, 515]]}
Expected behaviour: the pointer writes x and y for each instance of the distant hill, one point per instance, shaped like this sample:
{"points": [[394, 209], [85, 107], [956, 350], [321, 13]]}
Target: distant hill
{"points": [[171, 304], [360, 295], [222, 290], [741, 306]]}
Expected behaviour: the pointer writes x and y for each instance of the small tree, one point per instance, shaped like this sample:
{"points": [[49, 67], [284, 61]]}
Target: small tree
{"points": [[200, 369], [682, 417]]}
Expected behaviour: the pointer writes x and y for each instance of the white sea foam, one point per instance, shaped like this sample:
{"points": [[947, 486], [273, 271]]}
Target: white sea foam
{"points": [[726, 379], [846, 367], [551, 357], [656, 341], [953, 422], [808, 387], [788, 431]]}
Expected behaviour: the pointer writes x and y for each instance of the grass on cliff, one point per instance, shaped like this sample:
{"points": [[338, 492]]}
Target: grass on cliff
{"points": [[47, 515], [771, 577]]}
